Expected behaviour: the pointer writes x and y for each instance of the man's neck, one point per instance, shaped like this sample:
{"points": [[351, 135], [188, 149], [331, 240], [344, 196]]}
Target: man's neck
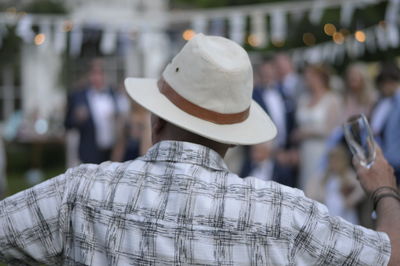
{"points": [[220, 148]]}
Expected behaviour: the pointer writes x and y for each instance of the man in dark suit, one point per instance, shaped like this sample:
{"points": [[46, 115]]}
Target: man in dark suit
{"points": [[268, 96], [93, 112]]}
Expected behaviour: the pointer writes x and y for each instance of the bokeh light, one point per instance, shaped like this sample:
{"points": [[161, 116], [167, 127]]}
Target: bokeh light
{"points": [[253, 40], [308, 39], [329, 29], [68, 26], [188, 34], [11, 10], [338, 38], [40, 39], [344, 32], [278, 43], [360, 36]]}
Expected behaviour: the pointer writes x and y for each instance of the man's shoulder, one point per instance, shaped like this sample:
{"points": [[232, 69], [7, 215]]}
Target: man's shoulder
{"points": [[108, 169], [256, 185]]}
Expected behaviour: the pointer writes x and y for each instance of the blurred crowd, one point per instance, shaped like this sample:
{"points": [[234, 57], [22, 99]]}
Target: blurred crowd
{"points": [[108, 124], [308, 107]]}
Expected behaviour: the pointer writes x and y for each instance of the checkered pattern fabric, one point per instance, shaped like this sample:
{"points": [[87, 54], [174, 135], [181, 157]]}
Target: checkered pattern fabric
{"points": [[177, 205]]}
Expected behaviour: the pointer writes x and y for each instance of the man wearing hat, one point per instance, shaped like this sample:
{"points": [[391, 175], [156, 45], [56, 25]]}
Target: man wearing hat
{"points": [[179, 204]]}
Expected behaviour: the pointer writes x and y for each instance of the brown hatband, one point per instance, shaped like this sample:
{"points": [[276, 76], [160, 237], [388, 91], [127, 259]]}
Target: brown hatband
{"points": [[198, 111]]}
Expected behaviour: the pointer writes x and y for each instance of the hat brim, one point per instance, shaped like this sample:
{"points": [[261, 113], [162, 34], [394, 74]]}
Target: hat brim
{"points": [[257, 128]]}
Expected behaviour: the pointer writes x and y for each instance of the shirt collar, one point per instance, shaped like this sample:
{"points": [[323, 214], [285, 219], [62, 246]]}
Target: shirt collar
{"points": [[102, 91], [186, 152]]}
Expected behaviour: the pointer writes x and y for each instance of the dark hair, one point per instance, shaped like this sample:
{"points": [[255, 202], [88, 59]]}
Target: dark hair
{"points": [[389, 72]]}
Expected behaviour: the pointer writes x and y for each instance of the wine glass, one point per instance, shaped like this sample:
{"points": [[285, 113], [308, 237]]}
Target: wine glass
{"points": [[360, 140]]}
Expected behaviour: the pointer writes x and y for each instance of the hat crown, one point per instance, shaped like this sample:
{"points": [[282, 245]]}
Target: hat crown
{"points": [[212, 72]]}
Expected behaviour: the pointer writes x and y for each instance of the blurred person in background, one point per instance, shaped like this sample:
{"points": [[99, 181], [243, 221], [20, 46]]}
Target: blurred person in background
{"points": [[134, 139], [290, 82], [338, 187], [262, 162], [3, 180], [317, 115], [94, 112], [290, 86], [385, 118], [268, 96], [359, 96]]}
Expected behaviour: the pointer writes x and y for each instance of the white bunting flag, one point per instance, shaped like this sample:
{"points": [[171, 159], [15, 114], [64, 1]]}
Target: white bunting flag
{"points": [[199, 24], [24, 29], [278, 26], [108, 41], [392, 33], [45, 29], [76, 39], [392, 11], [381, 38], [218, 27], [259, 29], [317, 11], [346, 13], [60, 38], [237, 23]]}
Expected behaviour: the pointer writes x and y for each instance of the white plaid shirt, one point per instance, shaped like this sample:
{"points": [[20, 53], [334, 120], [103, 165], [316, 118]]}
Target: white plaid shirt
{"points": [[177, 205]]}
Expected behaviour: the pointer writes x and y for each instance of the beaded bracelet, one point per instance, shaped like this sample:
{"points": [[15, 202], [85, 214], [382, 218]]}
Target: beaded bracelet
{"points": [[376, 196], [384, 195]]}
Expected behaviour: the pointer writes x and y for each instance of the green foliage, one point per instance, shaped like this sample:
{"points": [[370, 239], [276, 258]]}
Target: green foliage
{"points": [[45, 7], [215, 3], [10, 48]]}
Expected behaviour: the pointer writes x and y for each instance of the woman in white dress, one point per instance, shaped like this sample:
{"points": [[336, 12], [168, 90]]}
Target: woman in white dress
{"points": [[318, 113], [359, 96]]}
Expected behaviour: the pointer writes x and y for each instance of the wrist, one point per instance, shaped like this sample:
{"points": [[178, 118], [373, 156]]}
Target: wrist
{"points": [[384, 192]]}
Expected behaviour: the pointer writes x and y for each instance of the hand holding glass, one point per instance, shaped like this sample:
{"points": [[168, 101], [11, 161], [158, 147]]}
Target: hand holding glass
{"points": [[360, 140]]}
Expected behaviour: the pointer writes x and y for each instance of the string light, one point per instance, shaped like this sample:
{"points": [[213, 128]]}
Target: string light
{"points": [[68, 26], [188, 34], [278, 43], [40, 39], [11, 10], [338, 38], [344, 32], [308, 39], [21, 14], [360, 36], [329, 29], [253, 40]]}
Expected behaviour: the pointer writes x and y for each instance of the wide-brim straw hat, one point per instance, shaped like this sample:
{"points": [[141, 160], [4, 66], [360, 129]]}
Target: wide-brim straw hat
{"points": [[207, 89]]}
